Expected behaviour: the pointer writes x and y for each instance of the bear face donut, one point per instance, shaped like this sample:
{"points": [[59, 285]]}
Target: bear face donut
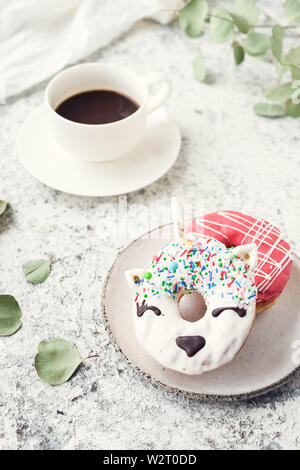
{"points": [[274, 253], [223, 276]]}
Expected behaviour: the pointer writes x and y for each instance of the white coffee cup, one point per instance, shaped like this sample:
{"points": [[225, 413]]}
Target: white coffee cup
{"points": [[101, 142]]}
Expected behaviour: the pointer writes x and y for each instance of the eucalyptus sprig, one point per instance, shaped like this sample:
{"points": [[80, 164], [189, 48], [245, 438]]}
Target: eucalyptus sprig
{"points": [[239, 26]]}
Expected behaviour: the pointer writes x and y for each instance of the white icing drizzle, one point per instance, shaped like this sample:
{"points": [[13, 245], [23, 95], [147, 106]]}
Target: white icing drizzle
{"points": [[260, 232]]}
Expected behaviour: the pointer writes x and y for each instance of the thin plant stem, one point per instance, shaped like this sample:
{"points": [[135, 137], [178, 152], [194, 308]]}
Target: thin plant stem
{"points": [[252, 25], [291, 26], [91, 355]]}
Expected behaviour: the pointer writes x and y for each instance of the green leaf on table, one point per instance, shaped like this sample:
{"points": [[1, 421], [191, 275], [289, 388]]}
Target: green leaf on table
{"points": [[292, 110], [269, 110], [199, 67], [3, 207], [36, 271], [241, 23], [247, 9], [221, 24], [292, 8], [293, 57], [56, 361], [238, 53], [281, 92], [276, 42], [10, 315], [192, 17], [256, 44]]}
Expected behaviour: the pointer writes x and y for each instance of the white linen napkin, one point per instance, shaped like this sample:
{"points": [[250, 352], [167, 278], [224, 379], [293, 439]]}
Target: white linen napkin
{"points": [[40, 37]]}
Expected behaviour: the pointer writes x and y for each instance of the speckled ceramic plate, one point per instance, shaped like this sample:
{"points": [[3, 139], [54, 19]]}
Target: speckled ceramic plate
{"points": [[53, 166], [265, 362]]}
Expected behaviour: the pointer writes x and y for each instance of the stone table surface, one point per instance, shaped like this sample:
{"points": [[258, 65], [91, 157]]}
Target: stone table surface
{"points": [[230, 158]]}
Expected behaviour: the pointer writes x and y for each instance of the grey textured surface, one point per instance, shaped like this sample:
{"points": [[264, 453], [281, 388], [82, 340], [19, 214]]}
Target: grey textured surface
{"points": [[231, 159]]}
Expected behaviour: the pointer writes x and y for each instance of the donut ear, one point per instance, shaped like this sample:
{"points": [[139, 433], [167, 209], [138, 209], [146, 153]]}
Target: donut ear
{"points": [[247, 253], [133, 276]]}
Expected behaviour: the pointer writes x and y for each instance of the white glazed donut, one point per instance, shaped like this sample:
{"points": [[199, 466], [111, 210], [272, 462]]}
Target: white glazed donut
{"points": [[223, 276]]}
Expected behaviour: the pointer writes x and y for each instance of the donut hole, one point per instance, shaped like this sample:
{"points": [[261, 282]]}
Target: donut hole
{"points": [[192, 307]]}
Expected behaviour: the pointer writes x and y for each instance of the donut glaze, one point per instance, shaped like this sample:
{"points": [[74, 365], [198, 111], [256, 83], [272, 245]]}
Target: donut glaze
{"points": [[225, 281], [274, 253]]}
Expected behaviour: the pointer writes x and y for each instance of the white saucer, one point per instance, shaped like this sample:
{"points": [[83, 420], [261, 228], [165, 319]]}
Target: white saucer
{"points": [[53, 166], [265, 362]]}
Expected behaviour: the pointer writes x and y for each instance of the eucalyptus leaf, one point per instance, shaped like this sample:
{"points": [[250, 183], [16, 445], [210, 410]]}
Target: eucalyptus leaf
{"points": [[276, 42], [36, 271], [292, 8], [10, 315], [269, 110], [247, 9], [293, 57], [292, 110], [192, 17], [221, 24], [241, 23], [3, 206], [56, 361], [199, 67], [281, 92], [295, 71], [256, 44], [296, 93], [282, 70], [238, 53]]}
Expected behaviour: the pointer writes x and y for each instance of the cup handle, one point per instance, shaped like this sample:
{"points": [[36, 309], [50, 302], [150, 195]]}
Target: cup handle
{"points": [[162, 94]]}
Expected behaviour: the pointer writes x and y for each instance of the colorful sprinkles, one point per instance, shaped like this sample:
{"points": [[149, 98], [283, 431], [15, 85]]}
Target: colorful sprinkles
{"points": [[209, 269]]}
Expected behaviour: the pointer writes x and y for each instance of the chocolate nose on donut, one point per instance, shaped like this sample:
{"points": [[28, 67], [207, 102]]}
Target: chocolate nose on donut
{"points": [[190, 344]]}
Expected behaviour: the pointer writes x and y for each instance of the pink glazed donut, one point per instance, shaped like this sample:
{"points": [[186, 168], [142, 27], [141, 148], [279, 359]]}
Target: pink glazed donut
{"points": [[274, 253]]}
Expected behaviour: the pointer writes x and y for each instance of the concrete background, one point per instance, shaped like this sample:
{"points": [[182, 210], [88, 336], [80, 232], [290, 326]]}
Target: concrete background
{"points": [[230, 159]]}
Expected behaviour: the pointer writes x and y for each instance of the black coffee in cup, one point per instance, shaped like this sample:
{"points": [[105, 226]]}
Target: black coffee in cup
{"points": [[97, 107]]}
